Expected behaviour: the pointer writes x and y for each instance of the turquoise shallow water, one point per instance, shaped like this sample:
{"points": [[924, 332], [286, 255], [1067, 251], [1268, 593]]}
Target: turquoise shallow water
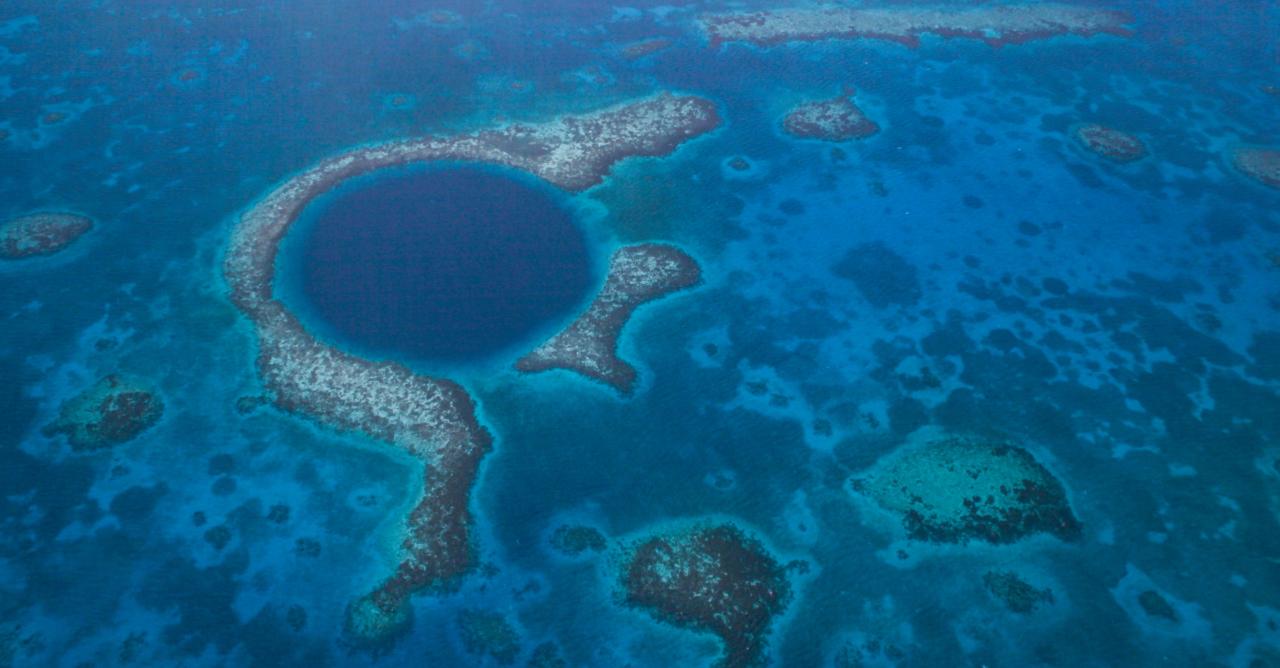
{"points": [[969, 268]]}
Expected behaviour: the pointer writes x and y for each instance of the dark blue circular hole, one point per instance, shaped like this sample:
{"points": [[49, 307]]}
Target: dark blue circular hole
{"points": [[441, 264]]}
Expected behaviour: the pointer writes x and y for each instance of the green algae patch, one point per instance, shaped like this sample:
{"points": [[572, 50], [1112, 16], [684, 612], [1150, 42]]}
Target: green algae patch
{"points": [[956, 489], [115, 410]]}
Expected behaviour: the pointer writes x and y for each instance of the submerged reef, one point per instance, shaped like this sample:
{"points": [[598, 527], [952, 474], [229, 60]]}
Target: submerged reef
{"points": [[996, 25], [638, 50], [1110, 143], [574, 540], [1016, 594], [837, 119], [432, 419], [1263, 164], [486, 633], [955, 489], [41, 234], [711, 578], [637, 274], [114, 410]]}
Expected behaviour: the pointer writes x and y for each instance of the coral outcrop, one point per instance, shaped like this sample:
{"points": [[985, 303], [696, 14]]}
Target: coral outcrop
{"points": [[637, 274], [113, 411], [41, 234]]}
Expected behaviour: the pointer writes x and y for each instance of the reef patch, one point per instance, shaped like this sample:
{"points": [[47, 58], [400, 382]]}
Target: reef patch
{"points": [[1110, 143], [114, 410], [996, 25], [956, 489], [1017, 594], [637, 274], [1262, 164], [433, 419], [41, 234], [835, 120], [713, 578]]}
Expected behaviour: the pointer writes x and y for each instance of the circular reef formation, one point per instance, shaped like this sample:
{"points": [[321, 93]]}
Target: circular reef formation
{"points": [[114, 410], [837, 119], [713, 578], [1110, 143], [955, 489], [41, 234], [1262, 164], [432, 419], [442, 264]]}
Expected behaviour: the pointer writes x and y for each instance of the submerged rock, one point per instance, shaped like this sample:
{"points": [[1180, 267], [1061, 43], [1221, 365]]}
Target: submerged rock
{"points": [[884, 277], [489, 633], [1110, 143], [1156, 605], [574, 540], [1016, 594], [115, 410], [1262, 164], [712, 578], [546, 655], [41, 234], [375, 625], [955, 489], [837, 119]]}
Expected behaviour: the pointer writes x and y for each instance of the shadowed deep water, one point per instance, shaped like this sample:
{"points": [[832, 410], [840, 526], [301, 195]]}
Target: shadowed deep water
{"points": [[444, 264]]}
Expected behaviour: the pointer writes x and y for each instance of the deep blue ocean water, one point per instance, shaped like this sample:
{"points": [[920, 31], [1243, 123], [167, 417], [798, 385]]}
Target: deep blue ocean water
{"points": [[1122, 322], [438, 265]]}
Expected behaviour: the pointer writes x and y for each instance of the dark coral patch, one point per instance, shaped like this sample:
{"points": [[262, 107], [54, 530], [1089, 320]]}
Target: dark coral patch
{"points": [[1110, 143], [113, 411], [882, 276], [710, 578], [41, 234], [1016, 594], [575, 540], [487, 633]]}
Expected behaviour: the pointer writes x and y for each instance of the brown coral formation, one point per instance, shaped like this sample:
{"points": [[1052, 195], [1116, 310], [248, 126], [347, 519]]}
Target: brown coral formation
{"points": [[1110, 143], [1262, 164], [837, 119], [115, 410], [637, 274], [431, 418], [711, 578], [41, 234], [997, 25]]}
